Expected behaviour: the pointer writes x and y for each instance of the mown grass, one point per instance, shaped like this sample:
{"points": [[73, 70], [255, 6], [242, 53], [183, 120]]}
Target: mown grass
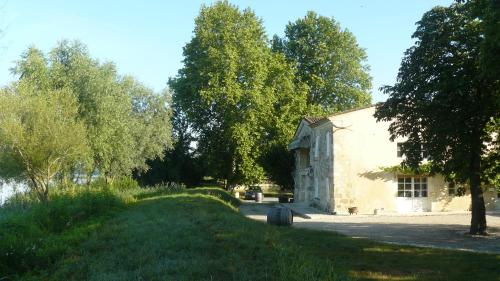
{"points": [[199, 234], [188, 236]]}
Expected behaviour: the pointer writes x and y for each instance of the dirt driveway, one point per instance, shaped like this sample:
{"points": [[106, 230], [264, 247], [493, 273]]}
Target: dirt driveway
{"points": [[430, 230]]}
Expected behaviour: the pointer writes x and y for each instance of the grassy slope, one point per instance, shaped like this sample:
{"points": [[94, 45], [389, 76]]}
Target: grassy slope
{"points": [[196, 237], [33, 235]]}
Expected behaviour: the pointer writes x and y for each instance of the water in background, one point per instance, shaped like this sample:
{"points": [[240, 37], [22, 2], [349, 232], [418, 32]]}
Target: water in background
{"points": [[9, 189]]}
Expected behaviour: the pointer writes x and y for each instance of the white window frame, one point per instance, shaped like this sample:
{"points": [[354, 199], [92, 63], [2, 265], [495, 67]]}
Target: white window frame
{"points": [[452, 189], [400, 153], [399, 149], [413, 187], [455, 189]]}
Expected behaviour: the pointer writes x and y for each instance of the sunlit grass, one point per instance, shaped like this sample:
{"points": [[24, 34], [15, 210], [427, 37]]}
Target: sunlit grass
{"points": [[200, 235], [370, 275], [191, 236]]}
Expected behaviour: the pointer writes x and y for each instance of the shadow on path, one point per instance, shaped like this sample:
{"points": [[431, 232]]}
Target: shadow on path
{"points": [[446, 231], [448, 236]]}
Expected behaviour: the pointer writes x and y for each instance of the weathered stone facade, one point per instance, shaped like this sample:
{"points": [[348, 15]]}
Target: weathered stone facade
{"points": [[338, 165]]}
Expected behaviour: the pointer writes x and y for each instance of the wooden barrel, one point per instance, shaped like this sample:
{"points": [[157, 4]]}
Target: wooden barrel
{"points": [[280, 216], [258, 197]]}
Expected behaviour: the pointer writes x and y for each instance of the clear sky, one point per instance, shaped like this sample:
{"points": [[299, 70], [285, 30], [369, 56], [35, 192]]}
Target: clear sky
{"points": [[145, 38]]}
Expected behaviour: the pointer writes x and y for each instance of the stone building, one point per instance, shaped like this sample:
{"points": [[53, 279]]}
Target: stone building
{"points": [[339, 161]]}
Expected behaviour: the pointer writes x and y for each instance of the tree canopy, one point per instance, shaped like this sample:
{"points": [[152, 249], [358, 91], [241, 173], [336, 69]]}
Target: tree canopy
{"points": [[445, 102], [126, 122], [241, 96], [328, 60], [235, 94], [122, 122], [40, 135]]}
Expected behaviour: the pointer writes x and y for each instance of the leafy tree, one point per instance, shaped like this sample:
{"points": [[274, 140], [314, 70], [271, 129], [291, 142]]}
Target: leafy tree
{"points": [[229, 91], [290, 106], [328, 60], [40, 134], [126, 122], [488, 12], [150, 123], [444, 102], [179, 164]]}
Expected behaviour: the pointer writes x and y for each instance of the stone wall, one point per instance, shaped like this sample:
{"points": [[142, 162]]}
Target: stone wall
{"points": [[322, 165], [361, 148], [346, 170]]}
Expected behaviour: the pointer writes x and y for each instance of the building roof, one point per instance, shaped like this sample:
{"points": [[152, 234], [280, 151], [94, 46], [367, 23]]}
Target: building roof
{"points": [[326, 118], [313, 119], [351, 110]]}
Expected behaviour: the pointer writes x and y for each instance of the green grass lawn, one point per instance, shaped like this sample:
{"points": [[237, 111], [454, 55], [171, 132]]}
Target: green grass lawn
{"points": [[194, 236], [190, 236]]}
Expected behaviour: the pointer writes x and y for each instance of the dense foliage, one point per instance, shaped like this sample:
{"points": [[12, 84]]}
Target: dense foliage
{"points": [[446, 102], [197, 234], [40, 135], [239, 102], [236, 96], [488, 11], [75, 117], [328, 60], [180, 164], [35, 235]]}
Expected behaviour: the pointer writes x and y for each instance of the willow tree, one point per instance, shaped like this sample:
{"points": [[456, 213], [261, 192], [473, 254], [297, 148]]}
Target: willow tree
{"points": [[126, 123], [328, 60], [229, 90], [445, 102], [40, 135]]}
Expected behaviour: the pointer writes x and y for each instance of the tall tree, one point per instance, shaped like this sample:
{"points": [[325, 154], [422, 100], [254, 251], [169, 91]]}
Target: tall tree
{"points": [[40, 135], [228, 91], [444, 102], [290, 106], [126, 123], [488, 12], [328, 60], [179, 164]]}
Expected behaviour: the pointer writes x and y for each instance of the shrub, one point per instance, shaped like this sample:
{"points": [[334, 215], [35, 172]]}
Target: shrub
{"points": [[173, 188], [66, 210], [160, 189], [125, 184], [217, 192], [35, 234]]}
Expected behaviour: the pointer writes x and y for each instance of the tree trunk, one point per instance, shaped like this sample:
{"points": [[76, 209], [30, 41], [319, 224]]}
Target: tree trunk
{"points": [[89, 176], [478, 220], [229, 186], [41, 190]]}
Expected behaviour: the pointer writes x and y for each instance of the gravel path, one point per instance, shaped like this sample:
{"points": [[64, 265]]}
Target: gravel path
{"points": [[441, 230]]}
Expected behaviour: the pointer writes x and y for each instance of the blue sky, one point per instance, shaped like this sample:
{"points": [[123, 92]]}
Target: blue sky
{"points": [[145, 38]]}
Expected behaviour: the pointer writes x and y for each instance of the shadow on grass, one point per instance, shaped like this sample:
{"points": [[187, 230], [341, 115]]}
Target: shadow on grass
{"points": [[194, 237]]}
